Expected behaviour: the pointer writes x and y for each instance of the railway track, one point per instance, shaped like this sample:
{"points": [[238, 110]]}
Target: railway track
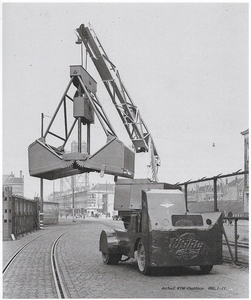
{"points": [[60, 287], [59, 283], [15, 255]]}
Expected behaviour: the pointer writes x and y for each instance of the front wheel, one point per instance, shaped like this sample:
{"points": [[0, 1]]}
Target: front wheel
{"points": [[111, 259], [206, 269], [142, 260]]}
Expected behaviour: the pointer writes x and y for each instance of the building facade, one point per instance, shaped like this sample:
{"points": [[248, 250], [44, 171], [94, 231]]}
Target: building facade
{"points": [[101, 199], [16, 183]]}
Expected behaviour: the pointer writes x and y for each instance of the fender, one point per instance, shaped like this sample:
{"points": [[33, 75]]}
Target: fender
{"points": [[108, 242], [114, 241]]}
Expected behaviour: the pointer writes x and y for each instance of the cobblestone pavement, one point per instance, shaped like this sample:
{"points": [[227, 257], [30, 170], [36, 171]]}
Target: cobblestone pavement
{"points": [[87, 276], [30, 275]]}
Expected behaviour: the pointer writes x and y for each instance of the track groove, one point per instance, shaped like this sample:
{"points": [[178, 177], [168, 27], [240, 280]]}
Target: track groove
{"points": [[61, 290]]}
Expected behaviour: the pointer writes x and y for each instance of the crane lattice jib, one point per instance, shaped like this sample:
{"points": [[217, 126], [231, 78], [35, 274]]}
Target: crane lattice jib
{"points": [[127, 110]]}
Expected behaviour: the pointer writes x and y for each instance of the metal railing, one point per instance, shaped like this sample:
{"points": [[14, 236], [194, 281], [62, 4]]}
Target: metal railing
{"points": [[214, 206], [215, 188]]}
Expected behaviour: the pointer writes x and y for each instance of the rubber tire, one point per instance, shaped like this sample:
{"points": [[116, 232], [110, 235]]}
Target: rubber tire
{"points": [[206, 269], [142, 260], [111, 259]]}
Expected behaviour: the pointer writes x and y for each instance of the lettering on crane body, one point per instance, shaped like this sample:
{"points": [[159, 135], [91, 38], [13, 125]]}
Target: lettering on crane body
{"points": [[186, 246]]}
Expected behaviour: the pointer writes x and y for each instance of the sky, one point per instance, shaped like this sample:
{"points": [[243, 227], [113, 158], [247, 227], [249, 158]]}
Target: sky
{"points": [[185, 66]]}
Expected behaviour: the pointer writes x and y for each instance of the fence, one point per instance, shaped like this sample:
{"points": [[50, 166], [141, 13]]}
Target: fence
{"points": [[239, 236], [20, 215], [225, 194]]}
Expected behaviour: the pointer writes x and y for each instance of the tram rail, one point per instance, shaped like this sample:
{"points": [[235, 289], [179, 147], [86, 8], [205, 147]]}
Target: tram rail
{"points": [[59, 283], [60, 287], [14, 256]]}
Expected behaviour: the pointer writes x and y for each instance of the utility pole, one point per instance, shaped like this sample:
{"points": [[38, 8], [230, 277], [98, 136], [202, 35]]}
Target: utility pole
{"points": [[41, 215], [72, 185]]}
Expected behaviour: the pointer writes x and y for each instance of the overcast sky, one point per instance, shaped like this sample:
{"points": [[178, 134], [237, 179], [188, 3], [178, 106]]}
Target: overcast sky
{"points": [[185, 66]]}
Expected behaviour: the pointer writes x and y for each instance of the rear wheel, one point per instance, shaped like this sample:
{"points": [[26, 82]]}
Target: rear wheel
{"points": [[206, 269], [111, 259], [142, 260]]}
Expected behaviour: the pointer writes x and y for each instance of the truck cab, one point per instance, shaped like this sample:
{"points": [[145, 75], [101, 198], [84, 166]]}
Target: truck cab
{"points": [[161, 233]]}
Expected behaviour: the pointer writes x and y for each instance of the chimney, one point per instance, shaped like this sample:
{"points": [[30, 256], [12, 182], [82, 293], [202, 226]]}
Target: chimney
{"points": [[20, 174]]}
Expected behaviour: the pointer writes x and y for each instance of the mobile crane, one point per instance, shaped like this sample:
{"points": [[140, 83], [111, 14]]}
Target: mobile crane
{"points": [[159, 231]]}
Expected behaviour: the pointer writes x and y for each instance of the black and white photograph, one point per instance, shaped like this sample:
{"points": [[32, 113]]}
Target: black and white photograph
{"points": [[125, 149]]}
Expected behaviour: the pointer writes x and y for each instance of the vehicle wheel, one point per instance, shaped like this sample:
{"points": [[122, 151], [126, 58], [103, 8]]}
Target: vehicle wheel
{"points": [[111, 259], [142, 260], [206, 269]]}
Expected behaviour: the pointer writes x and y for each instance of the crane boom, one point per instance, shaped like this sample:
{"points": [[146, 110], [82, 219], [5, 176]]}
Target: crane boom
{"points": [[127, 110]]}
